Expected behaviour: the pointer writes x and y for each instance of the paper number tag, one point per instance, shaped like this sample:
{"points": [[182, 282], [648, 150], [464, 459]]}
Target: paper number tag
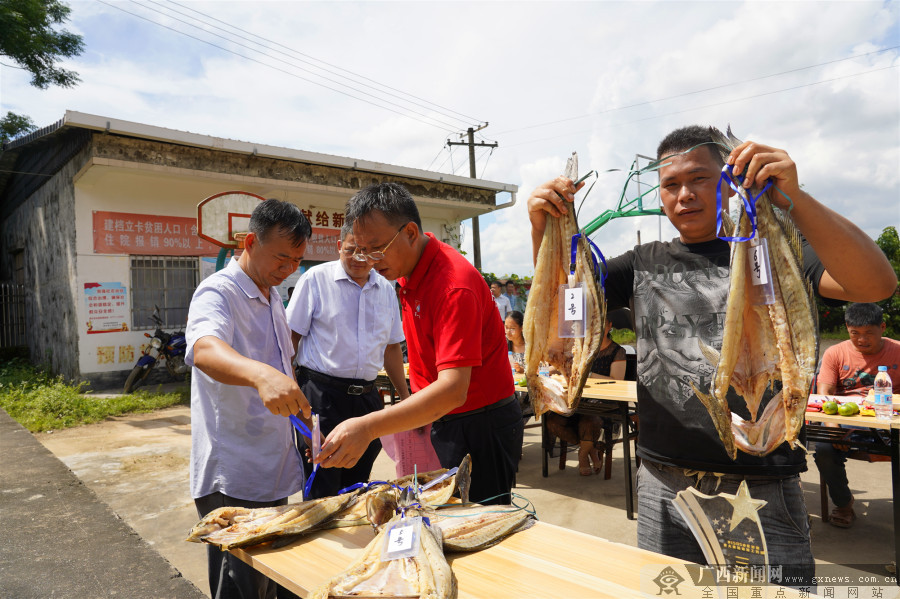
{"points": [[574, 303], [571, 316], [761, 290], [402, 539]]}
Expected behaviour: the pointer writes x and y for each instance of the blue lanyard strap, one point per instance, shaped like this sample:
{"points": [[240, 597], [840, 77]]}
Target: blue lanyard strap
{"points": [[304, 430], [595, 251], [747, 197]]}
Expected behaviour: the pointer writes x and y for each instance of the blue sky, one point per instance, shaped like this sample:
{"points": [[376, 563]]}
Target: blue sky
{"points": [[605, 79]]}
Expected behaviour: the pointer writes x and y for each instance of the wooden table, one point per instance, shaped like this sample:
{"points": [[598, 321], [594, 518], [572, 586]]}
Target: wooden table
{"points": [[543, 561], [606, 399], [817, 431]]}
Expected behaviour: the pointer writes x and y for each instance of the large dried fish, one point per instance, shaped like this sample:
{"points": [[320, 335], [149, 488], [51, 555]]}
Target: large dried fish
{"points": [[433, 494], [572, 357], [230, 527], [427, 575], [472, 528], [764, 343]]}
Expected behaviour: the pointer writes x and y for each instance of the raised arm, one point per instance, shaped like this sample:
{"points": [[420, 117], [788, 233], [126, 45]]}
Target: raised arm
{"points": [[279, 392], [856, 269]]}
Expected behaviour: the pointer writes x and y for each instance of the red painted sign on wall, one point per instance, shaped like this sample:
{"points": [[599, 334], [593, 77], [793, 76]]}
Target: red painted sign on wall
{"points": [[152, 234]]}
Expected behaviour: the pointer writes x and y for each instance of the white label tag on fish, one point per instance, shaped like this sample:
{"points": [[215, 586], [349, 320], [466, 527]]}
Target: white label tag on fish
{"points": [[316, 437], [402, 539], [761, 290], [571, 311]]}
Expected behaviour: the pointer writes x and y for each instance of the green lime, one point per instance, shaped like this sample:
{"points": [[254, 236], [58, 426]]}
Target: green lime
{"points": [[830, 407], [848, 409]]}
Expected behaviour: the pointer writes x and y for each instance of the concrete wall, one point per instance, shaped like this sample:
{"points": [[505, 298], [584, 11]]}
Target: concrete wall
{"points": [[44, 228], [163, 154], [54, 227]]}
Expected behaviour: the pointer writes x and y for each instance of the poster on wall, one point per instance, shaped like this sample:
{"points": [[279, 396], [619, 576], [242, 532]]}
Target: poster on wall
{"points": [[107, 310], [326, 232], [153, 234]]}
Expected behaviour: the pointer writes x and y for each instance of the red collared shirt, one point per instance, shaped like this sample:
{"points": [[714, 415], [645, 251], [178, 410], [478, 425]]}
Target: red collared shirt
{"points": [[450, 321]]}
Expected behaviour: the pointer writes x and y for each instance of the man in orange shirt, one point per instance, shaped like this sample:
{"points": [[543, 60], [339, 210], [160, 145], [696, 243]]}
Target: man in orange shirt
{"points": [[849, 368]]}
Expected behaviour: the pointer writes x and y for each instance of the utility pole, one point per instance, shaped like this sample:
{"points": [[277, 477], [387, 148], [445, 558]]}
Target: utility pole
{"points": [[476, 233]]}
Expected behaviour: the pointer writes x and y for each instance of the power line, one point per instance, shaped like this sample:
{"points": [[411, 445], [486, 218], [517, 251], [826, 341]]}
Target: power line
{"points": [[294, 66], [451, 130], [465, 118], [446, 112], [732, 101], [699, 91]]}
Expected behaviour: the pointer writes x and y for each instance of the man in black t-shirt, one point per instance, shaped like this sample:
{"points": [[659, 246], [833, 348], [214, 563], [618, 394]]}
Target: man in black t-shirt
{"points": [[678, 292]]}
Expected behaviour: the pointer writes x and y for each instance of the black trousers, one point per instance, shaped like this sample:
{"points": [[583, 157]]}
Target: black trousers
{"points": [[494, 440], [229, 577], [334, 405]]}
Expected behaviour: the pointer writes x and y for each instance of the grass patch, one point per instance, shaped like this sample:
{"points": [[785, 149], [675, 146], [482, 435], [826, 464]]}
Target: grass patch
{"points": [[839, 334], [42, 402]]}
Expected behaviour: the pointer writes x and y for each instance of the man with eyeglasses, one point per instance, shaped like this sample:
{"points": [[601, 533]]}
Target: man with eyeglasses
{"points": [[458, 364], [679, 291], [346, 319]]}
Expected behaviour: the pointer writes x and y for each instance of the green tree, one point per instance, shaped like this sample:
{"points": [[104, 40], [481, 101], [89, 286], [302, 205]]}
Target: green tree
{"points": [[13, 125], [831, 319], [28, 36], [889, 242]]}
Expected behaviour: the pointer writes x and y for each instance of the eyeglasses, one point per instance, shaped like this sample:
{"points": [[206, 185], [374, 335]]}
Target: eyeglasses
{"points": [[377, 256]]}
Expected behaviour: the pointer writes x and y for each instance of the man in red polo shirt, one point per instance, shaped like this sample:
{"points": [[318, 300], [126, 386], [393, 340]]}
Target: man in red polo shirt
{"points": [[458, 364]]}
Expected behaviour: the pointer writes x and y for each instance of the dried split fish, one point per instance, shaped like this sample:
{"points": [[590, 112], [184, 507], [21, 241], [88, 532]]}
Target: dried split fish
{"points": [[572, 357], [230, 527], [479, 527], [764, 343], [437, 493], [427, 575]]}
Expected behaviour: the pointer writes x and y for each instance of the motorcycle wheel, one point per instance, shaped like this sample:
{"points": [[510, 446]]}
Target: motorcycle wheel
{"points": [[136, 377], [172, 364]]}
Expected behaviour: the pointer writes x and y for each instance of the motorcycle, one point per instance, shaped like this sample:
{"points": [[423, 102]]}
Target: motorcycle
{"points": [[170, 347]]}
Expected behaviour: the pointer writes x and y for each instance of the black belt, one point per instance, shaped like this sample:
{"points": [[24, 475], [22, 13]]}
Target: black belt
{"points": [[348, 386], [497, 404]]}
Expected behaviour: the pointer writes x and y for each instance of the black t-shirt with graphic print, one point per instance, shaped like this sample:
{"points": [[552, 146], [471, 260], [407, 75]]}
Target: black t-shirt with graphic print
{"points": [[678, 294]]}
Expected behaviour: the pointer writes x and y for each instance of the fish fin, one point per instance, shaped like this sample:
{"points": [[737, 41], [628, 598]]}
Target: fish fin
{"points": [[791, 232], [721, 417], [711, 354]]}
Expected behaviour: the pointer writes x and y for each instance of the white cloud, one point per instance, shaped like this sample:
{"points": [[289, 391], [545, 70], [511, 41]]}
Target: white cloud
{"points": [[611, 77]]}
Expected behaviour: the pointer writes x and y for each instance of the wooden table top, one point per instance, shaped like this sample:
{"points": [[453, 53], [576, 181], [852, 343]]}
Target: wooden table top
{"points": [[543, 561], [604, 389]]}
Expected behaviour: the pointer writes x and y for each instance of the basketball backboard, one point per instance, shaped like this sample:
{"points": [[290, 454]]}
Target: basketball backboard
{"points": [[224, 218]]}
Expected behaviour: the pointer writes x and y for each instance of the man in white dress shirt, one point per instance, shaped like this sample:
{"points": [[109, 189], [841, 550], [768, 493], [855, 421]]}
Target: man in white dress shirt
{"points": [[500, 300], [243, 387], [346, 318]]}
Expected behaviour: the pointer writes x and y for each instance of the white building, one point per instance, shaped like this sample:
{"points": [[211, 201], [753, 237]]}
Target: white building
{"points": [[98, 224]]}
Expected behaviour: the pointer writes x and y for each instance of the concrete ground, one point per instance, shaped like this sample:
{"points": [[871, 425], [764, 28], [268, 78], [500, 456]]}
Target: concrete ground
{"points": [[138, 466]]}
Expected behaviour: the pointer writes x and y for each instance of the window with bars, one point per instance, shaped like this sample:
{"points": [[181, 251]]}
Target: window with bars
{"points": [[164, 281]]}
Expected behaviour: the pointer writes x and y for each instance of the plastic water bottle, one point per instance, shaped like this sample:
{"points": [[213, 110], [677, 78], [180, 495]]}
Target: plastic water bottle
{"points": [[544, 369], [884, 396], [512, 364]]}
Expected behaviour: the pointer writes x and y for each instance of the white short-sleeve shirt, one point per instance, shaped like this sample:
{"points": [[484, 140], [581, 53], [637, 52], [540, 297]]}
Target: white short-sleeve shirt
{"points": [[238, 447], [345, 327]]}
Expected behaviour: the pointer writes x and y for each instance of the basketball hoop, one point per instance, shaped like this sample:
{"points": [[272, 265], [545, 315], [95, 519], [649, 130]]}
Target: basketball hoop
{"points": [[223, 219], [239, 238]]}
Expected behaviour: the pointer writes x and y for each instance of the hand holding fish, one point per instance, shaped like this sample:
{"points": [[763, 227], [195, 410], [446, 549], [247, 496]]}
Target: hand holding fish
{"points": [[552, 197], [759, 163]]}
